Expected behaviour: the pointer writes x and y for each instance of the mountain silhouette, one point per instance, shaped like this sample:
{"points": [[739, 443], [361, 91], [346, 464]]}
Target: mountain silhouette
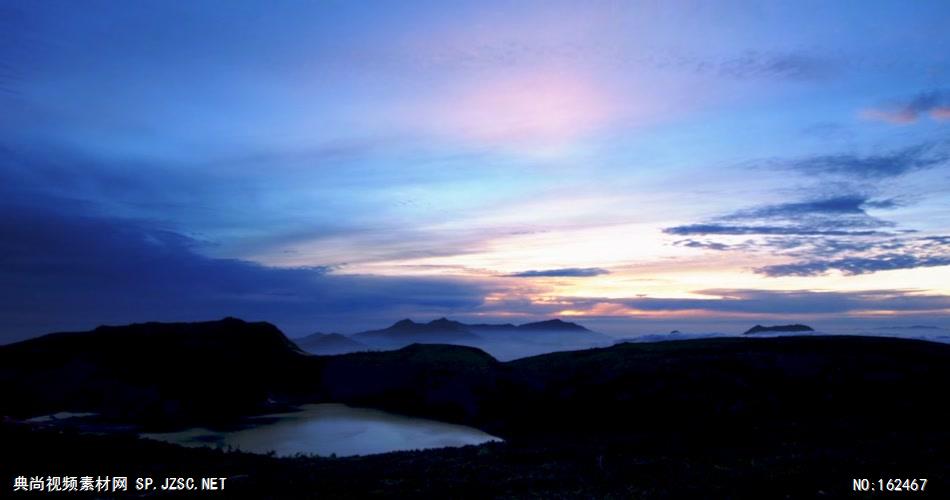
{"points": [[330, 343], [553, 325], [405, 332], [505, 341], [163, 372], [182, 373], [712, 407], [778, 328]]}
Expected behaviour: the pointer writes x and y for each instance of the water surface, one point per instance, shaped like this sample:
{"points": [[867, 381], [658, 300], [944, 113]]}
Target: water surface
{"points": [[325, 429]]}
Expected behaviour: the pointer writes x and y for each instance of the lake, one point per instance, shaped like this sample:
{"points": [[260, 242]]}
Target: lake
{"points": [[325, 429]]}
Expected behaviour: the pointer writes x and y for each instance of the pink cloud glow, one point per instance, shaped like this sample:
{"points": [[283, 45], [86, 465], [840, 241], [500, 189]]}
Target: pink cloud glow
{"points": [[942, 113]]}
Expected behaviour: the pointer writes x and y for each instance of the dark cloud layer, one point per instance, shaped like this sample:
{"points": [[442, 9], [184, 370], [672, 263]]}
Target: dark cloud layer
{"points": [[834, 216], [856, 265], [815, 256], [73, 271], [728, 229], [837, 205], [568, 272], [834, 233], [709, 245], [821, 235], [878, 166]]}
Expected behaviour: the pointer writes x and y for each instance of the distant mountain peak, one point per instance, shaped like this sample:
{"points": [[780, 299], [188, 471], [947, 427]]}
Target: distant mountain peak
{"points": [[329, 343], [553, 324], [526, 339], [407, 331], [779, 328], [444, 322], [405, 323]]}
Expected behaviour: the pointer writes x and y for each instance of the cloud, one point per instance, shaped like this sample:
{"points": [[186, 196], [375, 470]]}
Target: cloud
{"points": [[935, 103], [568, 272], [64, 271], [709, 245], [822, 236], [778, 65], [836, 233], [878, 166], [815, 229], [844, 204], [726, 229], [772, 302], [818, 256], [832, 246], [843, 215], [855, 265], [324, 204]]}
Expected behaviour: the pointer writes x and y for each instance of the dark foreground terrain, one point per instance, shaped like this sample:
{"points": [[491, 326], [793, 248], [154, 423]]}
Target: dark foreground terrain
{"points": [[792, 417], [759, 464]]}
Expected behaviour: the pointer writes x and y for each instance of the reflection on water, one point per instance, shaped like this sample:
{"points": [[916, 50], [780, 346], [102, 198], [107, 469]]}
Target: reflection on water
{"points": [[326, 429], [58, 417]]}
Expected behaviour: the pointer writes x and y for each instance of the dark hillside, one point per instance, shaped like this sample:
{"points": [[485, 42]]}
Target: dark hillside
{"points": [[733, 384], [155, 372], [447, 382], [712, 418]]}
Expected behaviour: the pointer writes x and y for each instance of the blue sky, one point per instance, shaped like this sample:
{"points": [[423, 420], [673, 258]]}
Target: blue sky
{"points": [[338, 165]]}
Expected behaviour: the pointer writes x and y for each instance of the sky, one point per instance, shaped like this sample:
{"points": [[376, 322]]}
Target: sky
{"points": [[339, 165]]}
